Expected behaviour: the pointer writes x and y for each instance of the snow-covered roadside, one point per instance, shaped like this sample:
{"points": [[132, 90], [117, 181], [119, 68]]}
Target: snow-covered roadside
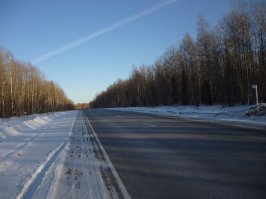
{"points": [[79, 171], [28, 150], [55, 155], [231, 115], [25, 124]]}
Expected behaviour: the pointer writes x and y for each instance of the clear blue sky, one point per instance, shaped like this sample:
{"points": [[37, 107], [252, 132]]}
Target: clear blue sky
{"points": [[86, 45]]}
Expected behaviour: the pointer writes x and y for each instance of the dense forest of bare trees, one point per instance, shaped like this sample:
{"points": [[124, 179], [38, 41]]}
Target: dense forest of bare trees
{"points": [[217, 67], [24, 90]]}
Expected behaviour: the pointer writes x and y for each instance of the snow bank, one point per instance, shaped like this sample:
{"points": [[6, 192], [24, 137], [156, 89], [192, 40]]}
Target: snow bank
{"points": [[236, 114], [18, 125]]}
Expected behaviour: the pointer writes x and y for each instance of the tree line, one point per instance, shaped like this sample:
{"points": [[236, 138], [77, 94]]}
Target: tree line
{"points": [[24, 90], [217, 67]]}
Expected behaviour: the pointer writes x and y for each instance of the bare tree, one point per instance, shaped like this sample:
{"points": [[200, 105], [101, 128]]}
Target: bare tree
{"points": [[23, 89]]}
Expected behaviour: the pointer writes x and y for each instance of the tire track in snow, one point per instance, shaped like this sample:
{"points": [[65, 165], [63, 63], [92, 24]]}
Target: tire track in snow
{"points": [[11, 155], [32, 184], [84, 171], [16, 152], [78, 176], [85, 130], [35, 180]]}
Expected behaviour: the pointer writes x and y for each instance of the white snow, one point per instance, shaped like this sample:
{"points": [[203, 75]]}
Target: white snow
{"points": [[51, 156], [230, 115], [58, 155]]}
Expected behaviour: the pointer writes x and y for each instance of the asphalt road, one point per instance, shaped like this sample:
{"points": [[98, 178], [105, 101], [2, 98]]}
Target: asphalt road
{"points": [[164, 157]]}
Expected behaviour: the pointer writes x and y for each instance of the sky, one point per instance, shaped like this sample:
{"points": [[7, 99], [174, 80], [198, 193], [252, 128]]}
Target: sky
{"points": [[86, 45]]}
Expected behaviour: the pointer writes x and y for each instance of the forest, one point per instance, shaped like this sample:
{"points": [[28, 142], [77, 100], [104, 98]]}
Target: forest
{"points": [[24, 89], [218, 66]]}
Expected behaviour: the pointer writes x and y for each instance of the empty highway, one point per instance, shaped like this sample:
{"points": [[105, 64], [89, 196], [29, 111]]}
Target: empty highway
{"points": [[166, 157]]}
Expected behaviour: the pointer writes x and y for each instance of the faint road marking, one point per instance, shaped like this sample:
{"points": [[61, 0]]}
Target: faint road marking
{"points": [[151, 125]]}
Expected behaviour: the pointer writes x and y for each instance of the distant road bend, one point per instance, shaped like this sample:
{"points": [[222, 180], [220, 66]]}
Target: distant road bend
{"points": [[165, 157]]}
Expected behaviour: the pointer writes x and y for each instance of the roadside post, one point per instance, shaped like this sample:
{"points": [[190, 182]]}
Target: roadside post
{"points": [[255, 87]]}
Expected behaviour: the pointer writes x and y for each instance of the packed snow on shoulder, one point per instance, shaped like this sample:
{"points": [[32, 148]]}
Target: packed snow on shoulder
{"points": [[234, 114], [51, 156]]}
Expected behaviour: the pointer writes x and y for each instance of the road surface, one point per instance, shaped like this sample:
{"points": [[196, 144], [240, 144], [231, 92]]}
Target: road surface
{"points": [[165, 157]]}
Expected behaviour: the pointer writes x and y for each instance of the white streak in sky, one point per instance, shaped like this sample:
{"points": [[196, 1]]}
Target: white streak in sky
{"points": [[100, 32]]}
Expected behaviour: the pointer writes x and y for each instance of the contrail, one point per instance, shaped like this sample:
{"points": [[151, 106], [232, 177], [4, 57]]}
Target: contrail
{"points": [[100, 32]]}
